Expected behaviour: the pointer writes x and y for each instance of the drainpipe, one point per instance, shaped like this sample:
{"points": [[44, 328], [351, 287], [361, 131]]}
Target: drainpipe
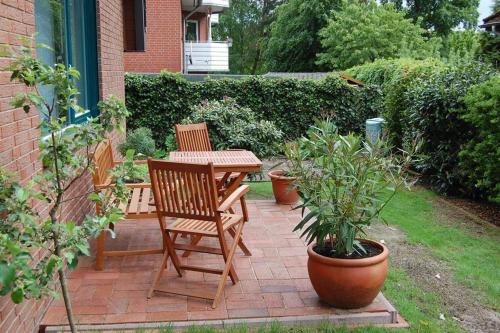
{"points": [[198, 5]]}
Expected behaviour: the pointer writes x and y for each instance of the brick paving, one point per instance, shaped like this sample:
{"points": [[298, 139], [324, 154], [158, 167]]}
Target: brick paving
{"points": [[273, 281]]}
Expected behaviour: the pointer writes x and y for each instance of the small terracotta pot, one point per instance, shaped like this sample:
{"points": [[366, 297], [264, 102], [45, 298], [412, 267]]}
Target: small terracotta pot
{"points": [[347, 283], [283, 190]]}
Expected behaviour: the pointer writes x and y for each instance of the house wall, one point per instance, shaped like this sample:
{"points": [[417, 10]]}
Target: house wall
{"points": [[19, 135], [163, 39]]}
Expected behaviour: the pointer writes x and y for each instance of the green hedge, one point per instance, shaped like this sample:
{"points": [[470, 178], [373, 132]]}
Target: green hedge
{"points": [[480, 156], [423, 99], [160, 101]]}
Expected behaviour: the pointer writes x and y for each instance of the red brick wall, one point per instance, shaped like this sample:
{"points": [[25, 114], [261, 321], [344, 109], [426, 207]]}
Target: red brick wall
{"points": [[163, 39], [19, 135]]}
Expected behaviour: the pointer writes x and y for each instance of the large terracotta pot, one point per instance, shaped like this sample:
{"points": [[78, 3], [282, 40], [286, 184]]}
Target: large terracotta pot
{"points": [[347, 283], [283, 190]]}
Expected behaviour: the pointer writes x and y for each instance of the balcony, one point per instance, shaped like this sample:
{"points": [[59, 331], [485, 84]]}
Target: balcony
{"points": [[206, 57], [204, 6]]}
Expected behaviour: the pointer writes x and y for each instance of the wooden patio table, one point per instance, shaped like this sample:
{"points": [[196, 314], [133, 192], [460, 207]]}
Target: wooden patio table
{"points": [[227, 162]]}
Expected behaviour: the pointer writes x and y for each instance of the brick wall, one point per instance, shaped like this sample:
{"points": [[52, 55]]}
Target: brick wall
{"points": [[19, 135], [163, 39]]}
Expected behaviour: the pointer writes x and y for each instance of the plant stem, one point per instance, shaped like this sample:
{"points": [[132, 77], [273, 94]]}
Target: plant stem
{"points": [[64, 289]]}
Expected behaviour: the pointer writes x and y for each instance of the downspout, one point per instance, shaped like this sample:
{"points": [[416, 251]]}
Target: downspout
{"points": [[184, 22]]}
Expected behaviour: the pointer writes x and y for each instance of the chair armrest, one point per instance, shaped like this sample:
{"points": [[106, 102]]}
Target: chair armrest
{"points": [[135, 162], [235, 196], [138, 185]]}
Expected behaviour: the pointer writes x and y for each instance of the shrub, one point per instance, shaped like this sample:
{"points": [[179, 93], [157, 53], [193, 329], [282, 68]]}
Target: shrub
{"points": [[432, 102], [140, 140], [232, 126], [158, 102], [395, 77], [480, 157], [420, 98]]}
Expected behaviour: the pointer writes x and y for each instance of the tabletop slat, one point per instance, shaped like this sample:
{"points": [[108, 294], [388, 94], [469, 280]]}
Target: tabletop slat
{"points": [[227, 160]]}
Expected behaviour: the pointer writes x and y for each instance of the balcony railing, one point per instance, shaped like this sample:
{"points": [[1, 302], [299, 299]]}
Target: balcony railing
{"points": [[206, 57]]}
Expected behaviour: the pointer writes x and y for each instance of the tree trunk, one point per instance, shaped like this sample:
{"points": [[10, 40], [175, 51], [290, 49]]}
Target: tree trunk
{"points": [[67, 302], [64, 288]]}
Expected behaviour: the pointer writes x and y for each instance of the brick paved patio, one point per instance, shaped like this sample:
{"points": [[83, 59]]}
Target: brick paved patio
{"points": [[274, 281]]}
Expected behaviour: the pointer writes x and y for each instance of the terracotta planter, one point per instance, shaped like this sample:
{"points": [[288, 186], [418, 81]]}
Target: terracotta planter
{"points": [[347, 283], [283, 190]]}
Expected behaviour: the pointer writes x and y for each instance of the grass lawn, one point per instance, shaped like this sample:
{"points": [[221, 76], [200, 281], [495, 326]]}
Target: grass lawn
{"points": [[472, 251]]}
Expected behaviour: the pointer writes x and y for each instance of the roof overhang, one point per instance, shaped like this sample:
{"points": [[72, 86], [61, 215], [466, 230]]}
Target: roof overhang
{"points": [[205, 6]]}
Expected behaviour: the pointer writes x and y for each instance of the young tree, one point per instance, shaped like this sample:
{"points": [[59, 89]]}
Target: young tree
{"points": [[440, 16], [495, 7], [293, 39], [360, 33], [246, 22], [66, 155]]}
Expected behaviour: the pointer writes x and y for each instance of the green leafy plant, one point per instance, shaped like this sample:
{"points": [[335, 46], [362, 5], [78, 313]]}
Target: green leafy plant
{"points": [[130, 170], [232, 126], [33, 246], [384, 32], [480, 156], [140, 140], [158, 102], [421, 98], [344, 184]]}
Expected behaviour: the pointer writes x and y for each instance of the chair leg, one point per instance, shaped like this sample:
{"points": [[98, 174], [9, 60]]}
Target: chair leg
{"points": [[241, 244], [228, 267], [159, 273], [99, 257], [171, 251], [224, 248]]}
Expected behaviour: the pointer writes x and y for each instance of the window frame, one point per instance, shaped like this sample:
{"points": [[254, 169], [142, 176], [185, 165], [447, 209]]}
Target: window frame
{"points": [[87, 28]]}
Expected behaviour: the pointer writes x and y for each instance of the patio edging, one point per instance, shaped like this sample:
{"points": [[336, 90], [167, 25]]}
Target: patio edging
{"points": [[389, 318]]}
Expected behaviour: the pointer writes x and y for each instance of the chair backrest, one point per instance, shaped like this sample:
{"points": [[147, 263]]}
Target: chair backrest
{"points": [[192, 137], [103, 163], [184, 190]]}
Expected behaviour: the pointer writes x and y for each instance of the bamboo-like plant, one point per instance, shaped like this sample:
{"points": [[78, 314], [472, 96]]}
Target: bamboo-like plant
{"points": [[344, 183], [36, 245]]}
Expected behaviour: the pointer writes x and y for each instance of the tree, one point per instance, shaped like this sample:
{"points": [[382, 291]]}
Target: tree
{"points": [[246, 22], [440, 16], [65, 153], [495, 7], [361, 33], [293, 39]]}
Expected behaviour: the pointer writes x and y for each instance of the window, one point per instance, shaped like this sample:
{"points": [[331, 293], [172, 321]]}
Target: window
{"points": [[192, 31], [134, 25], [69, 28]]}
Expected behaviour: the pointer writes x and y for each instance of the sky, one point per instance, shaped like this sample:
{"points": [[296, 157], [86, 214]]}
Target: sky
{"points": [[484, 9]]}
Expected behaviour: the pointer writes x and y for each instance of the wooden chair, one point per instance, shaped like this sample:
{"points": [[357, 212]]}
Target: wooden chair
{"points": [[192, 137], [138, 206], [188, 192]]}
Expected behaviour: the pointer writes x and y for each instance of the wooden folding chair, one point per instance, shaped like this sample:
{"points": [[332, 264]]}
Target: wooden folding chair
{"points": [[194, 137], [188, 192], [138, 206]]}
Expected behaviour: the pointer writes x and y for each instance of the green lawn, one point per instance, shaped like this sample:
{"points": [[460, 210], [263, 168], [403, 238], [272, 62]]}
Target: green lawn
{"points": [[260, 191], [471, 251]]}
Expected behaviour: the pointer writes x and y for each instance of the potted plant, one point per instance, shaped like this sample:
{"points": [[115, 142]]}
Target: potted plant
{"points": [[283, 189], [344, 186]]}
